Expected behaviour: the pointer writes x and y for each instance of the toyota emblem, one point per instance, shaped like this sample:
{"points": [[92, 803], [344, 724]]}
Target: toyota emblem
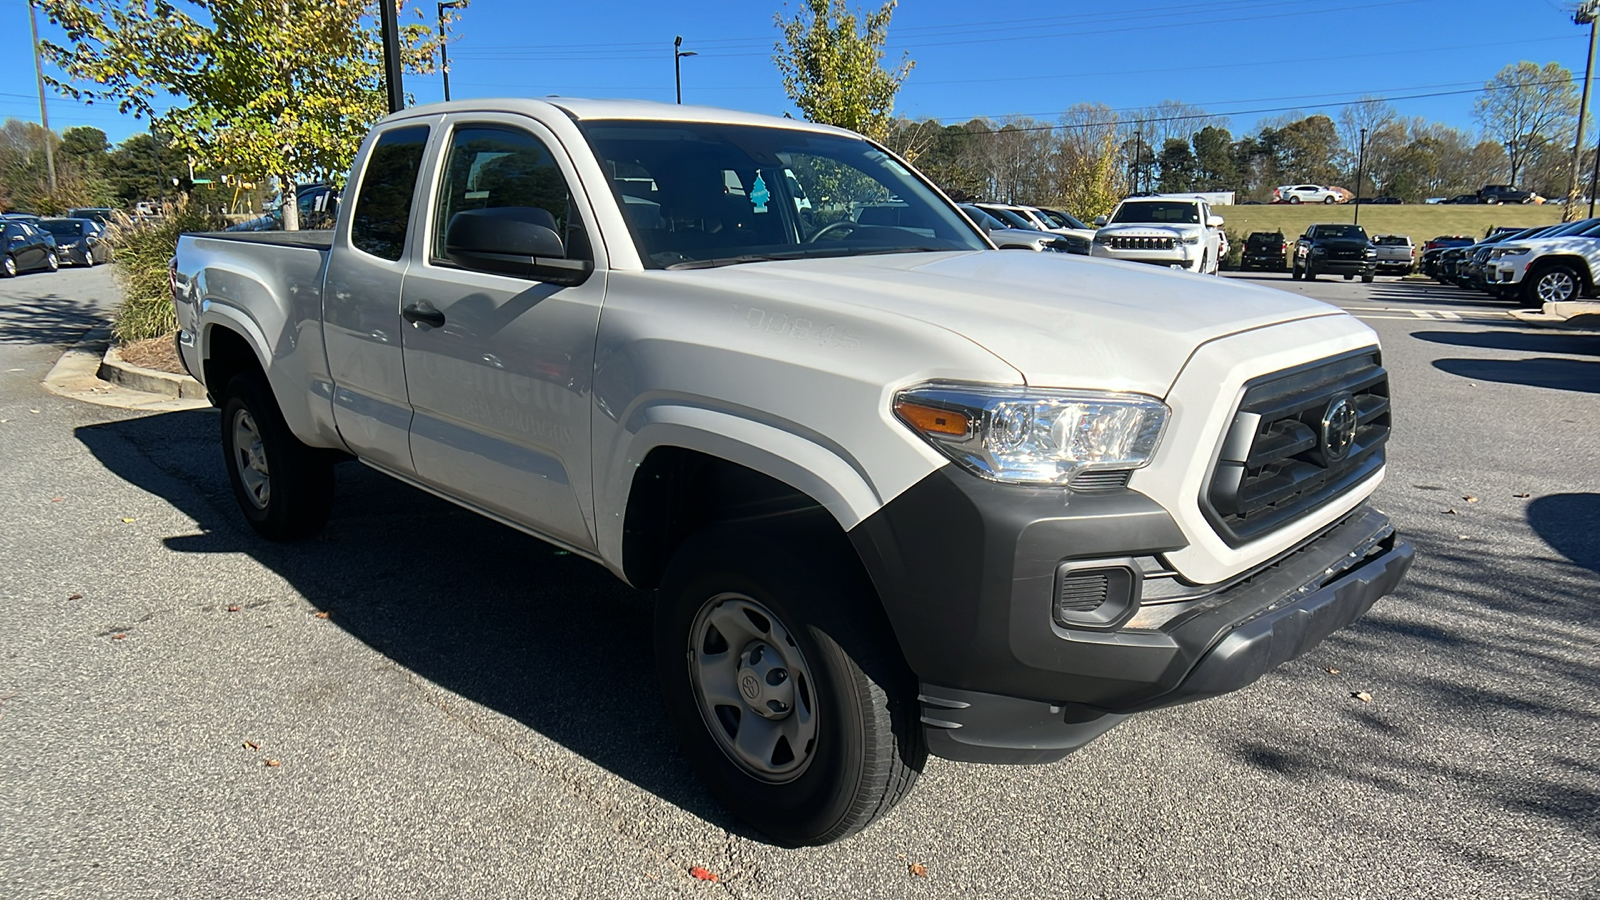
{"points": [[750, 686], [1339, 428]]}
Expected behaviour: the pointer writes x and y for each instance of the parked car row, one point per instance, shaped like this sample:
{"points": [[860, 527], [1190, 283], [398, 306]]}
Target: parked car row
{"points": [[31, 243], [1529, 266]]}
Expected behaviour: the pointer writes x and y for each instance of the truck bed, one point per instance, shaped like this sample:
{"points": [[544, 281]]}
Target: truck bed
{"points": [[308, 240]]}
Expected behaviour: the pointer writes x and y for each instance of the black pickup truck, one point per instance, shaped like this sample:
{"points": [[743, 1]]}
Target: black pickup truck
{"points": [[1335, 250], [1503, 193]]}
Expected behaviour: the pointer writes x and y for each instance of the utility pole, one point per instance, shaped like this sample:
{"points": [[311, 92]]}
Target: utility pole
{"points": [[1361, 163], [391, 55], [444, 58], [1138, 162], [677, 64], [44, 116], [1585, 15]]}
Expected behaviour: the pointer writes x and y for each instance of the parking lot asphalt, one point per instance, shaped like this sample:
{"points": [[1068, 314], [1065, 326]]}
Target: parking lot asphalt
{"points": [[421, 703]]}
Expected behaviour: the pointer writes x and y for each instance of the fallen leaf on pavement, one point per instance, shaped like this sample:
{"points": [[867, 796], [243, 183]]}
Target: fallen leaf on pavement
{"points": [[322, 615], [1363, 696], [1451, 512], [703, 874], [33, 410], [1522, 496], [74, 596], [1331, 670], [1469, 498], [233, 609], [251, 745], [57, 499], [129, 520], [918, 869], [1463, 537], [118, 636], [271, 763]]}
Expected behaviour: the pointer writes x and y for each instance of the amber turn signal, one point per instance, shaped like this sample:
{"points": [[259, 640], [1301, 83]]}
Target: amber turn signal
{"points": [[932, 419]]}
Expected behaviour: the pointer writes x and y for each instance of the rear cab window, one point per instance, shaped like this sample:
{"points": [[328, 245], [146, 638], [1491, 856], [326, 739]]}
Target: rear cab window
{"points": [[379, 221]]}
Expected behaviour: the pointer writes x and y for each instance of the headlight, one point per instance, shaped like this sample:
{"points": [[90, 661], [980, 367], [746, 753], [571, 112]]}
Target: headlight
{"points": [[1099, 238], [1498, 252], [1316, 250], [1189, 239], [1033, 435], [1371, 252]]}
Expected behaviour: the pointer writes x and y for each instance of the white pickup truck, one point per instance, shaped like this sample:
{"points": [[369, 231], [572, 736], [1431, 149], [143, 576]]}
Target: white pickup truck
{"points": [[895, 490]]}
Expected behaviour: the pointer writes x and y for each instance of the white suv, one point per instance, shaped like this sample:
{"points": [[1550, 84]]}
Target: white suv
{"points": [[1549, 269], [1180, 233], [1305, 193]]}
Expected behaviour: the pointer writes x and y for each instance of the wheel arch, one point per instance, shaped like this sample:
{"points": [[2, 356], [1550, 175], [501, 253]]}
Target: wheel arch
{"points": [[1578, 264]]}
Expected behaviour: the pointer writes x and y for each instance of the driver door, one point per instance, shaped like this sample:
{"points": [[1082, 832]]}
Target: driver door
{"points": [[499, 367]]}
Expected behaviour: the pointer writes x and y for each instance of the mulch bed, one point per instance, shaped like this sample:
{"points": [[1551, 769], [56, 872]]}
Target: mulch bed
{"points": [[156, 353]]}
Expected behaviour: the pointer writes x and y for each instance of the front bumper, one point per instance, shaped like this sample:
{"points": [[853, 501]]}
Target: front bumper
{"points": [[967, 569], [1174, 257], [1324, 266]]}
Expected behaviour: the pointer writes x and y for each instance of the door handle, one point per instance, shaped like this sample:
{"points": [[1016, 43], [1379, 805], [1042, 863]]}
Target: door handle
{"points": [[423, 313]]}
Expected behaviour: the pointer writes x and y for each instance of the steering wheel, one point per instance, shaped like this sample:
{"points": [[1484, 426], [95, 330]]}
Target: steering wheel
{"points": [[842, 225]]}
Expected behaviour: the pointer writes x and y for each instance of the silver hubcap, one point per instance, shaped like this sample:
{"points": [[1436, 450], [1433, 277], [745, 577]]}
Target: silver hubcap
{"points": [[54, 262], [11, 266], [88, 257], [250, 460], [754, 689], [1556, 287]]}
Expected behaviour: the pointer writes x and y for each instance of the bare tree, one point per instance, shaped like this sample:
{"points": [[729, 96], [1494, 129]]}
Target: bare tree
{"points": [[1525, 105]]}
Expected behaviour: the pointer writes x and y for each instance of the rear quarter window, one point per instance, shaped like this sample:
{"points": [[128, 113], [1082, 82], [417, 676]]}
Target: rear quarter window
{"points": [[383, 204]]}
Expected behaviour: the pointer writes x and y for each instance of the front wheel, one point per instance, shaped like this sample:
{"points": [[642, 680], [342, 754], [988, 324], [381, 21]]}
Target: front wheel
{"points": [[8, 267], [1555, 283], [1294, 272], [1294, 200], [1367, 279], [1311, 272], [787, 693], [54, 262], [284, 488], [88, 258], [1328, 201]]}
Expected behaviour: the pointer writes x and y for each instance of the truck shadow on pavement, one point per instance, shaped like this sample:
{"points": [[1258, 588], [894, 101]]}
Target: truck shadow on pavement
{"points": [[47, 319], [504, 620]]}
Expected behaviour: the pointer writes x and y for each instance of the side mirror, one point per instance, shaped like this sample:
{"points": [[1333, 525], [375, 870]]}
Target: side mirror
{"points": [[1099, 221], [1213, 221], [513, 240]]}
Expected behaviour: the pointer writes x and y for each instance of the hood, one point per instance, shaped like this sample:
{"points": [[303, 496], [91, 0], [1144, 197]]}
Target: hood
{"points": [[1061, 320]]}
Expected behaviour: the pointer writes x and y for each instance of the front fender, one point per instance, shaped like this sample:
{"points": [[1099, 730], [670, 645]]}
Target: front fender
{"points": [[809, 463]]}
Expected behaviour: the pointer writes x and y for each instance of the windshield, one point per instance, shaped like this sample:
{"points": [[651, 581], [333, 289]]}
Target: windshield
{"points": [[1011, 218], [1164, 212], [62, 227], [1353, 232], [983, 219], [700, 194], [1070, 221], [1392, 240]]}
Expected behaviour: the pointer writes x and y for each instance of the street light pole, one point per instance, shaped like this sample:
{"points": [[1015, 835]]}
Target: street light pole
{"points": [[677, 65], [391, 55], [444, 57], [1361, 163], [44, 117], [1585, 15]]}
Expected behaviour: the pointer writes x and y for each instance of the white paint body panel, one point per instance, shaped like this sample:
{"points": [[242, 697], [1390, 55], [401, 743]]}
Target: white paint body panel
{"points": [[788, 368]]}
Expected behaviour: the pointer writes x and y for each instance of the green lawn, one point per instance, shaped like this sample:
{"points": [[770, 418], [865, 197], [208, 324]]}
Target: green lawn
{"points": [[1420, 221]]}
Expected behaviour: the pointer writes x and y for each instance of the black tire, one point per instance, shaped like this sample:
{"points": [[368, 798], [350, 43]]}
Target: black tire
{"points": [[1348, 277], [1294, 200], [1491, 201], [1328, 201], [866, 744], [298, 493], [8, 267], [1367, 279], [1545, 285], [53, 262], [1311, 272], [1294, 272], [88, 258]]}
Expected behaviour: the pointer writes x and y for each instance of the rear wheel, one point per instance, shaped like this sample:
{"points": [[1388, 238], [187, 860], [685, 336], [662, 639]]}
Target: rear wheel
{"points": [[1294, 199], [1294, 272], [88, 258], [787, 694], [284, 488]]}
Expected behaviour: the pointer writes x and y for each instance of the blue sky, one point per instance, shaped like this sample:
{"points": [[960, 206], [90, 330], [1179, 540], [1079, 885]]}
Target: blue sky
{"points": [[1243, 58]]}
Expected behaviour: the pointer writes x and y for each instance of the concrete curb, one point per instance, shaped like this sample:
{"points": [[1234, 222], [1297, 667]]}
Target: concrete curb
{"points": [[76, 375], [115, 369], [1573, 316]]}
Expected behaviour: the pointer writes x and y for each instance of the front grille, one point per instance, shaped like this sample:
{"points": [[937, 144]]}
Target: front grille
{"points": [[1140, 243], [1344, 254], [1281, 458]]}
